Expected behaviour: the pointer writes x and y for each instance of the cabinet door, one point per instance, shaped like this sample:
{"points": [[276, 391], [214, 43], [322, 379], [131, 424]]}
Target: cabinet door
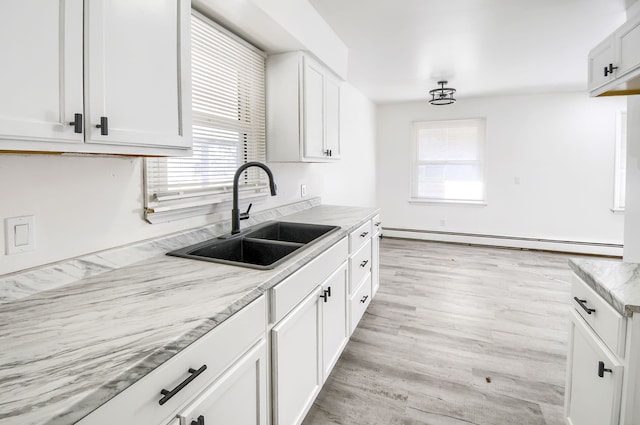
{"points": [[296, 365], [375, 263], [599, 59], [591, 399], [313, 107], [137, 72], [332, 117], [41, 76], [628, 39], [335, 331], [238, 397]]}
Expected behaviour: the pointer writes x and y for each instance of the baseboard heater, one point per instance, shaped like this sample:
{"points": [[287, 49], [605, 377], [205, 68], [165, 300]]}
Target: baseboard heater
{"points": [[580, 247]]}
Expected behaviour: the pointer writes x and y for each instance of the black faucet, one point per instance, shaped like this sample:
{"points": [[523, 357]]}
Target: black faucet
{"points": [[236, 216]]}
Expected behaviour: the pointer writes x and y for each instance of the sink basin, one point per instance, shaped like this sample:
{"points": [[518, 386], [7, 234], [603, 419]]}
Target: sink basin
{"points": [[260, 247], [291, 232]]}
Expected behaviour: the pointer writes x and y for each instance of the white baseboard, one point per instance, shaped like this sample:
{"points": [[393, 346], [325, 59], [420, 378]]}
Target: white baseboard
{"points": [[576, 247]]}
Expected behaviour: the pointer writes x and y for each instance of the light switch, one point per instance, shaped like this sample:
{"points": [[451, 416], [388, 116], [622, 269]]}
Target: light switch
{"points": [[19, 234]]}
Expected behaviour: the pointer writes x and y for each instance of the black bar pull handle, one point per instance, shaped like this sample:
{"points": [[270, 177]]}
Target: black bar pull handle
{"points": [[602, 370], [170, 393], [364, 299], [103, 126], [324, 296], [609, 69], [328, 291], [584, 306], [77, 123], [364, 234], [364, 263], [199, 421]]}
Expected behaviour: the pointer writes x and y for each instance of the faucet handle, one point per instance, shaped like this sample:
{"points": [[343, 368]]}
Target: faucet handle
{"points": [[245, 215]]}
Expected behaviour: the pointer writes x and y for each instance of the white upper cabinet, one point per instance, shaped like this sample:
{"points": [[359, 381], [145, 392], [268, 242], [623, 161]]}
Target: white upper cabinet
{"points": [[601, 58], [614, 64], [41, 74], [628, 38], [122, 67], [303, 110]]}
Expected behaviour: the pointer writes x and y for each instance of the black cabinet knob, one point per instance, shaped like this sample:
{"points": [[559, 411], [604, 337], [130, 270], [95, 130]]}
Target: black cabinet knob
{"points": [[602, 369], [77, 123], [609, 69], [103, 126]]}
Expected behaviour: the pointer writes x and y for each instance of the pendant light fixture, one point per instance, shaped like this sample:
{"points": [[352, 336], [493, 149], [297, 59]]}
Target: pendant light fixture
{"points": [[442, 95]]}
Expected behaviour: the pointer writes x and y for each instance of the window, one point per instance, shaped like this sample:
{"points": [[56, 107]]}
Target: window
{"points": [[448, 161], [228, 107], [620, 163]]}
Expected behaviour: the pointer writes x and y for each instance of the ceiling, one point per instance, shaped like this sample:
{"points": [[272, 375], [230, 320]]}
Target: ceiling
{"points": [[399, 49]]}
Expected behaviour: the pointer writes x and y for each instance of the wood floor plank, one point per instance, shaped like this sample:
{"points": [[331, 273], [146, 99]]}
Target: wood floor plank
{"points": [[457, 335]]}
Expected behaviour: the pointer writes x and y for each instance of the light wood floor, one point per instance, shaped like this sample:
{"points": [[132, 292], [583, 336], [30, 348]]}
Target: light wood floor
{"points": [[456, 335]]}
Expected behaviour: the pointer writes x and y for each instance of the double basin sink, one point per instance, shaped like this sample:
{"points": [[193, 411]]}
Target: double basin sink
{"points": [[260, 247]]}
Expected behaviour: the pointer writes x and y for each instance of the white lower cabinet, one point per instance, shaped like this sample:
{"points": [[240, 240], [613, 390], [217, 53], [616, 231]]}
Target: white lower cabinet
{"points": [[595, 379], [239, 397], [376, 225], [603, 367], [297, 376], [293, 335], [309, 333], [225, 356], [335, 332]]}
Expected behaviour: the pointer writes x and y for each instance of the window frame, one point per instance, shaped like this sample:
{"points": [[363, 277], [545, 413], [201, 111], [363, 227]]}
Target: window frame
{"points": [[163, 205], [620, 163], [481, 123]]}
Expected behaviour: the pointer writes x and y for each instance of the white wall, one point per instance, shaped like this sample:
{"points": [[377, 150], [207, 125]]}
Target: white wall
{"points": [[632, 207], [560, 146], [84, 204], [280, 25]]}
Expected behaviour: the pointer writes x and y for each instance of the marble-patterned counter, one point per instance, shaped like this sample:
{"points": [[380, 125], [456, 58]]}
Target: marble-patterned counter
{"points": [[615, 281], [68, 348]]}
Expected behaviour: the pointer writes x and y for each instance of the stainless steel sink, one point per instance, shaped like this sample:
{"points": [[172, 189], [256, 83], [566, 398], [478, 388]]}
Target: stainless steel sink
{"points": [[260, 247]]}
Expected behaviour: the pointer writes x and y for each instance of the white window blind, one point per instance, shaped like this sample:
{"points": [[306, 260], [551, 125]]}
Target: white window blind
{"points": [[448, 161], [620, 163], [228, 112]]}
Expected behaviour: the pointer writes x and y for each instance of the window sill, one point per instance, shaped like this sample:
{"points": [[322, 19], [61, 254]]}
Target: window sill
{"points": [[617, 210], [221, 207], [424, 201]]}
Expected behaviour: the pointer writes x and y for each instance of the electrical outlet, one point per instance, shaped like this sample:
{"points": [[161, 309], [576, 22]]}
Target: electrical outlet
{"points": [[442, 223], [303, 190]]}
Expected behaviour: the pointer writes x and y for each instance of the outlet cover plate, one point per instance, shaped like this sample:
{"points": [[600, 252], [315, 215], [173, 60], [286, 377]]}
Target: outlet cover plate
{"points": [[19, 234]]}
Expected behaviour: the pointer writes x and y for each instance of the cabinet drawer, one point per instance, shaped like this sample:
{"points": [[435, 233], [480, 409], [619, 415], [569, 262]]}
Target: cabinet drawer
{"points": [[376, 224], [594, 383], [608, 324], [217, 350], [359, 302], [359, 237], [291, 291], [359, 266]]}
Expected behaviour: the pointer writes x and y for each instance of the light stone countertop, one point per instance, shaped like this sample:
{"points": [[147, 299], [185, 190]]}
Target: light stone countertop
{"points": [[614, 280], [68, 349]]}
